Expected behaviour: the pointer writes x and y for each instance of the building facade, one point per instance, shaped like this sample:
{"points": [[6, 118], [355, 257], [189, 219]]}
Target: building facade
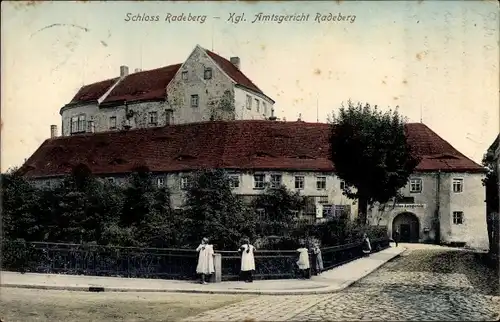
{"points": [[443, 201], [204, 87]]}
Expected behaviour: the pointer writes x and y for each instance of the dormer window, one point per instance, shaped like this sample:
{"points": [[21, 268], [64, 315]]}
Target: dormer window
{"points": [[185, 75], [208, 73]]}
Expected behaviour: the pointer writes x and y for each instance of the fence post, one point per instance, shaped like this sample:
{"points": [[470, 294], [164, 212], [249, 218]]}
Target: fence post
{"points": [[217, 277]]}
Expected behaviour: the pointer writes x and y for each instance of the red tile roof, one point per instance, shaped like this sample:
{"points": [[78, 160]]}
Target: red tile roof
{"points": [[233, 72], [152, 84], [246, 145], [93, 92], [143, 86]]}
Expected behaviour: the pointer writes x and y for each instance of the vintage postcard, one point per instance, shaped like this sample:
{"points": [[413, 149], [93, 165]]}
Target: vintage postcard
{"points": [[250, 161]]}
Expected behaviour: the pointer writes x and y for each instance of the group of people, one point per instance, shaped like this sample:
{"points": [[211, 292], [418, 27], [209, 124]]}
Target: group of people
{"points": [[206, 266]]}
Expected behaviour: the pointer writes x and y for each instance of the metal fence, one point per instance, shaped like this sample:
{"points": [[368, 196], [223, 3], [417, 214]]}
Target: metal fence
{"points": [[164, 263]]}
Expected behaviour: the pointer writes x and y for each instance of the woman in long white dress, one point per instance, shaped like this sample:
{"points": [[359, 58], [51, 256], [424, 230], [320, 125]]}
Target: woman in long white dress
{"points": [[303, 261], [205, 260], [247, 261]]}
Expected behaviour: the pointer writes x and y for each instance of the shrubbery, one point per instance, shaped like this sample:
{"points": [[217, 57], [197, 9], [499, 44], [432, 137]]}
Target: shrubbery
{"points": [[84, 209]]}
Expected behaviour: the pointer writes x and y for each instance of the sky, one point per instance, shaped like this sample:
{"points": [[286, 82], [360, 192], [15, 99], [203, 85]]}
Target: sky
{"points": [[437, 61]]}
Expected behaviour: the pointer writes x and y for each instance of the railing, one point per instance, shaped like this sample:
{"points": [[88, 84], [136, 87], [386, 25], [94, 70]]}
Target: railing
{"points": [[165, 263]]}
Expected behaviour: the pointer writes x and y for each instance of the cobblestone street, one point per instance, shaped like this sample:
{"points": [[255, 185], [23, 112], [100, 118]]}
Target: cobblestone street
{"points": [[426, 283]]}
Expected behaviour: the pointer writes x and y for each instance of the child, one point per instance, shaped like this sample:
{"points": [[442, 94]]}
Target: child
{"points": [[247, 260], [205, 260], [318, 259], [303, 262], [367, 247]]}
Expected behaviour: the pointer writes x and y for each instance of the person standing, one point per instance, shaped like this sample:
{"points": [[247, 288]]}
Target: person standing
{"points": [[205, 260], [247, 261], [395, 237], [367, 247], [303, 262], [318, 259]]}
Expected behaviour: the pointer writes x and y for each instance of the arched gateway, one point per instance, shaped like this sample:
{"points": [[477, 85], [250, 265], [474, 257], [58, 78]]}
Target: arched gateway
{"points": [[408, 225]]}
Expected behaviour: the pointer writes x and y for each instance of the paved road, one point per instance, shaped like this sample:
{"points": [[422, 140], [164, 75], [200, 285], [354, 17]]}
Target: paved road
{"points": [[426, 283]]}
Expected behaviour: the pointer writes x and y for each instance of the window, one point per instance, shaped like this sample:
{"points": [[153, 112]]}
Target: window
{"points": [[91, 126], [112, 122], [261, 214], [416, 185], [194, 100], [47, 184], [458, 185], [458, 217], [275, 181], [234, 181], [299, 182], [111, 180], [327, 211], [168, 116], [74, 124], [264, 105], [78, 124], [160, 182], [321, 183], [249, 102], [323, 199], [184, 183], [184, 75], [153, 118], [257, 105], [81, 123], [342, 184], [258, 181], [208, 73]]}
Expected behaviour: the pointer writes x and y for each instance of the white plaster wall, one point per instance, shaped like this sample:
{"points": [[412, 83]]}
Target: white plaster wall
{"points": [[212, 93], [471, 201], [241, 111], [90, 110]]}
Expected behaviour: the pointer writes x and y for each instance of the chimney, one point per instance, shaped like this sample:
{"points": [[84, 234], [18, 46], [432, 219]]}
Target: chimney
{"points": [[272, 117], [123, 71], [235, 61], [137, 70], [53, 131]]}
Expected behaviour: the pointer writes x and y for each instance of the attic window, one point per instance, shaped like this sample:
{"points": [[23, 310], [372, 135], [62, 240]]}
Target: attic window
{"points": [[185, 75], [261, 154], [185, 157], [208, 73], [305, 157], [118, 161], [444, 157]]}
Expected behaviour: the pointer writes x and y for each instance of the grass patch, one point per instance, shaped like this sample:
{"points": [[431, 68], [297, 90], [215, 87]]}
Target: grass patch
{"points": [[48, 305]]}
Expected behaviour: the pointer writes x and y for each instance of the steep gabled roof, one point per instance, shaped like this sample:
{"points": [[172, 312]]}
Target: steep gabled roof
{"points": [[244, 145], [92, 92], [152, 84], [234, 73], [143, 86]]}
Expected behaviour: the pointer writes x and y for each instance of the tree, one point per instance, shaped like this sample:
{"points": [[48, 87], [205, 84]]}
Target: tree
{"points": [[19, 200], [147, 219], [371, 154], [280, 207], [212, 210]]}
